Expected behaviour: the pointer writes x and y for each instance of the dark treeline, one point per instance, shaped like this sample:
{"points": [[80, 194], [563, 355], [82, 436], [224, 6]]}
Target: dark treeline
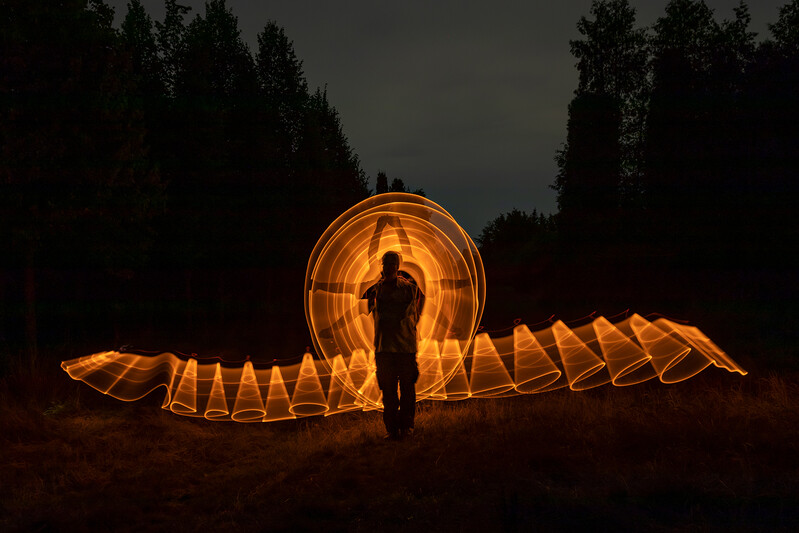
{"points": [[679, 175], [160, 183]]}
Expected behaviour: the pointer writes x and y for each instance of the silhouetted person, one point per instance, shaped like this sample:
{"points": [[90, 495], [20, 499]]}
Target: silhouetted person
{"points": [[396, 304]]}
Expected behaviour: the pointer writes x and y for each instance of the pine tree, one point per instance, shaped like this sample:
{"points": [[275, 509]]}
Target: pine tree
{"points": [[381, 185], [330, 165], [73, 175], [284, 89]]}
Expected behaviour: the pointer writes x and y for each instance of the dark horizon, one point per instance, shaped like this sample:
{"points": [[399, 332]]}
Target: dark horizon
{"points": [[402, 76]]}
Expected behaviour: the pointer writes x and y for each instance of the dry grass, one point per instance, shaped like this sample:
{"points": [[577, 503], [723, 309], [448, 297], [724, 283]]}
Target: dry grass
{"points": [[716, 453]]}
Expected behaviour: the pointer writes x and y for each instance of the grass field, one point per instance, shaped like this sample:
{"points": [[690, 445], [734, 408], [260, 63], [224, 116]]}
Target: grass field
{"points": [[719, 452]]}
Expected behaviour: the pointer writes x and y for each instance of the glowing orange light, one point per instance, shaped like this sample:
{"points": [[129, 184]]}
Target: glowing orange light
{"points": [[454, 364]]}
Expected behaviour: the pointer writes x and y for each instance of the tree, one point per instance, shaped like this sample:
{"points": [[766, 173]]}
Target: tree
{"points": [[689, 29], [588, 181], [397, 185], [381, 185], [140, 41], [327, 162], [613, 54], [785, 32], [169, 36], [694, 149], [511, 233], [676, 153], [612, 60], [515, 248], [601, 153], [75, 184], [284, 89], [215, 95], [771, 191], [213, 61]]}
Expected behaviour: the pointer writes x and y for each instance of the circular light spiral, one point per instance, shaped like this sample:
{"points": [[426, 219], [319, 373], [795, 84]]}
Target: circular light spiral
{"points": [[436, 253]]}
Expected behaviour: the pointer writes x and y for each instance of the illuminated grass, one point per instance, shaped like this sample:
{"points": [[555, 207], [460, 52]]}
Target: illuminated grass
{"points": [[719, 452]]}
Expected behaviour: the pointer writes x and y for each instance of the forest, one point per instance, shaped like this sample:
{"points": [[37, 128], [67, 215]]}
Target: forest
{"points": [[162, 186], [677, 180]]}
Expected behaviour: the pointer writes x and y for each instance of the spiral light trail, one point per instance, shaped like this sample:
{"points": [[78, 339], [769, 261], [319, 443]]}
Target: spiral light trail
{"points": [[455, 362]]}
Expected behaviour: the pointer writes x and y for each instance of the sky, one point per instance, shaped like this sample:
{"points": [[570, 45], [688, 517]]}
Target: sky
{"points": [[467, 100]]}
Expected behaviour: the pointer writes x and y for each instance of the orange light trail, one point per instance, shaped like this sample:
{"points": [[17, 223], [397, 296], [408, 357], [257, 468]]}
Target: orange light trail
{"points": [[455, 362]]}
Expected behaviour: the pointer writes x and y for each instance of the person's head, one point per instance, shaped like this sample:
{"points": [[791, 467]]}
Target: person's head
{"points": [[391, 263]]}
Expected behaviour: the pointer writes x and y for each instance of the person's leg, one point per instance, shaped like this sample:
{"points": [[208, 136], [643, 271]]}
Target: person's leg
{"points": [[408, 375], [387, 381]]}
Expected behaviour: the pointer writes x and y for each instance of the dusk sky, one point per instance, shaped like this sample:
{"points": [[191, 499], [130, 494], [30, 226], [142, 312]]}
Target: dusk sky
{"points": [[464, 99]]}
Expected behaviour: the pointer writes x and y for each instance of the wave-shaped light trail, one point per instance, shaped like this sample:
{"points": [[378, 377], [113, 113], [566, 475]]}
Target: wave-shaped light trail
{"points": [[625, 353], [455, 362]]}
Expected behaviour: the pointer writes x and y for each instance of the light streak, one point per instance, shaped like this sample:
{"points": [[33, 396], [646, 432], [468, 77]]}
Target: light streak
{"points": [[521, 363], [455, 362]]}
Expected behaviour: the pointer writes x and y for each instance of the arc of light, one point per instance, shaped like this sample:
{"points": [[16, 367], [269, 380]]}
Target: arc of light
{"points": [[217, 403], [394, 222], [170, 386], [457, 386], [393, 203], [278, 404], [579, 361], [339, 397], [185, 399], [358, 370], [309, 398], [88, 365], [427, 235], [488, 375], [323, 306], [190, 384], [249, 406], [369, 394], [533, 370], [702, 343], [116, 367], [124, 376], [669, 356], [355, 271], [627, 362], [447, 264], [431, 380]]}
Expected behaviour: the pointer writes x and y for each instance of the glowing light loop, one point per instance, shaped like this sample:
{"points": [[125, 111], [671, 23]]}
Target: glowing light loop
{"points": [[454, 362], [436, 253]]}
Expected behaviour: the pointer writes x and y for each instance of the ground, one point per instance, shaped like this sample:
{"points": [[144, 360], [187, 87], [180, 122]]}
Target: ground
{"points": [[715, 453]]}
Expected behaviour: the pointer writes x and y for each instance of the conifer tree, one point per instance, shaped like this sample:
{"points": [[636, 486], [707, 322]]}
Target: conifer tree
{"points": [[72, 181], [381, 185], [283, 88]]}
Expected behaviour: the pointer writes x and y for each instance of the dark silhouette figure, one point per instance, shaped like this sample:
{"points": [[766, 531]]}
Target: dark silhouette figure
{"points": [[396, 304]]}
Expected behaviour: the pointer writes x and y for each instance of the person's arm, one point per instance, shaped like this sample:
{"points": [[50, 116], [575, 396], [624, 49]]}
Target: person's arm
{"points": [[419, 302], [371, 297]]}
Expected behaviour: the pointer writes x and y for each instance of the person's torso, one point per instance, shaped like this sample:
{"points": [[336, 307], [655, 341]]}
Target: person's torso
{"points": [[395, 317]]}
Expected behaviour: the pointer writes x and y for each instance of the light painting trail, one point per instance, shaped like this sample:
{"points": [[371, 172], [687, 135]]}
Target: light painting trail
{"points": [[455, 362]]}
